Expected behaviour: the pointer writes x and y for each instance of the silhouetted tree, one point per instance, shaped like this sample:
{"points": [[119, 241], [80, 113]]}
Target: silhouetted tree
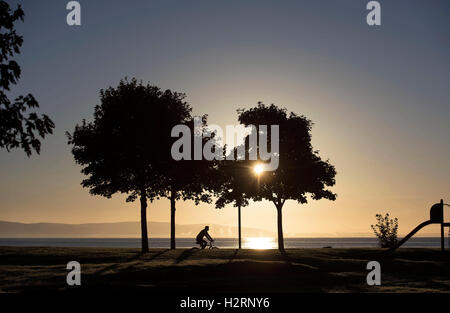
{"points": [[122, 148], [235, 186], [188, 179], [386, 230], [17, 129], [301, 171]]}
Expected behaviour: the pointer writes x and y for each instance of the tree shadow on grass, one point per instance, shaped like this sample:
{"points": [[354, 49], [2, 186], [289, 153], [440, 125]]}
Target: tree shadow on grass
{"points": [[133, 258], [286, 258], [186, 254], [157, 255], [233, 256], [243, 276]]}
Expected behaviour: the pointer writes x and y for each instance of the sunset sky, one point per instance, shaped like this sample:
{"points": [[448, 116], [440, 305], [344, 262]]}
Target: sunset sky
{"points": [[379, 98]]}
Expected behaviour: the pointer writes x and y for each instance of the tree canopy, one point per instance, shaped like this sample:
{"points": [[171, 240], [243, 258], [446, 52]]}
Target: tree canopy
{"points": [[237, 184], [18, 128]]}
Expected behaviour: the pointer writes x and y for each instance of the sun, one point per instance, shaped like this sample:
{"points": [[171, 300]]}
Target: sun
{"points": [[258, 169]]}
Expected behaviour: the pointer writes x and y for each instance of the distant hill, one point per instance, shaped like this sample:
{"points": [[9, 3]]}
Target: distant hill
{"points": [[121, 229], [156, 230]]}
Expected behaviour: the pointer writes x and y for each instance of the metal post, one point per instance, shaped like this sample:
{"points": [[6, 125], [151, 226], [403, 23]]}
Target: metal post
{"points": [[442, 229], [239, 224]]}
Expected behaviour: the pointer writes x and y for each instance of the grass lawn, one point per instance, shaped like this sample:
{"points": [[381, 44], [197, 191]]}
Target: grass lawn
{"points": [[24, 269]]}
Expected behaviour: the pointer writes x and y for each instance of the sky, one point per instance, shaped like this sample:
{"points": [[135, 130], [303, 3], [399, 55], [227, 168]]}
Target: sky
{"points": [[378, 97]]}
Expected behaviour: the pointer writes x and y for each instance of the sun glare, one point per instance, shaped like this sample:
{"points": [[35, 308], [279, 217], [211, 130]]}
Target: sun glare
{"points": [[259, 243], [258, 169]]}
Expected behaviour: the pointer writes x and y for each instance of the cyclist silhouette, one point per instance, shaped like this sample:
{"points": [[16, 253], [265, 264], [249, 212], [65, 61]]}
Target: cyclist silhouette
{"points": [[201, 234]]}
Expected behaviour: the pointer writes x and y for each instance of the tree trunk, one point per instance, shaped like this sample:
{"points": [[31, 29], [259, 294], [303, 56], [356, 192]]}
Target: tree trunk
{"points": [[280, 227], [144, 240], [172, 219], [239, 225]]}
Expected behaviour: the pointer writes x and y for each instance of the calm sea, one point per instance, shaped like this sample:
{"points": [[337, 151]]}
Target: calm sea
{"points": [[252, 243]]}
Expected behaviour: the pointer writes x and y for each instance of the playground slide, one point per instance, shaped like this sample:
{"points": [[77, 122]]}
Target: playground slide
{"points": [[415, 230]]}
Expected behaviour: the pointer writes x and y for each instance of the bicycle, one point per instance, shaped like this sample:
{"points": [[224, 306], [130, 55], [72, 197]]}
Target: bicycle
{"points": [[208, 246], [211, 246]]}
